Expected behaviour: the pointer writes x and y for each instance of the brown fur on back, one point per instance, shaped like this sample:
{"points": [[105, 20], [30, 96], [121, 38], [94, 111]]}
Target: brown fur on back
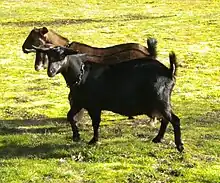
{"points": [[56, 39], [112, 54]]}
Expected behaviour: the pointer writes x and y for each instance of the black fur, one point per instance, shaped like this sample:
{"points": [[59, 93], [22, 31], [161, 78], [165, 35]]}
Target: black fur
{"points": [[140, 86]]}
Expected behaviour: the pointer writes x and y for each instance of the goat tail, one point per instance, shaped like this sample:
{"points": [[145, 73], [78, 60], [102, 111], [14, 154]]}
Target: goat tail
{"points": [[152, 47], [173, 63]]}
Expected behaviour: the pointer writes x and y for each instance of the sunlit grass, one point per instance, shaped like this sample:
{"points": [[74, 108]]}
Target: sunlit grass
{"points": [[35, 139]]}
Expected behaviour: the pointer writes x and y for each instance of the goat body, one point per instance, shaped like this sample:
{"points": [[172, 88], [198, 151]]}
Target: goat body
{"points": [[108, 55], [140, 86]]}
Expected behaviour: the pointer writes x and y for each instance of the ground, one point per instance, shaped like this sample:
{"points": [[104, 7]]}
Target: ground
{"points": [[35, 139]]}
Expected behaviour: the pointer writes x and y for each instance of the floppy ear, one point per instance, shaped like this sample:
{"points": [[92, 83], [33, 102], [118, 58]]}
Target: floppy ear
{"points": [[69, 51], [47, 45], [43, 30]]}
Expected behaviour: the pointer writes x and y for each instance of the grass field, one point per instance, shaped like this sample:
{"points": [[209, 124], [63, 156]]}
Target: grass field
{"points": [[35, 139]]}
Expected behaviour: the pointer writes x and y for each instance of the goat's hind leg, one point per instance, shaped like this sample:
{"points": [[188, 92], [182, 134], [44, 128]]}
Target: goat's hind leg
{"points": [[162, 130], [71, 118], [96, 118], [177, 132], [175, 121]]}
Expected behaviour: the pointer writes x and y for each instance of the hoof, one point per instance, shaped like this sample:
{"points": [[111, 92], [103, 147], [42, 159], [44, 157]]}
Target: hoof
{"points": [[180, 148], [92, 142], [156, 140], [76, 139]]}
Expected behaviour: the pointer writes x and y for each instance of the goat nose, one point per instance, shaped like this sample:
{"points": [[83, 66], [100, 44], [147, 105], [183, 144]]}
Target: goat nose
{"points": [[51, 72], [24, 50]]}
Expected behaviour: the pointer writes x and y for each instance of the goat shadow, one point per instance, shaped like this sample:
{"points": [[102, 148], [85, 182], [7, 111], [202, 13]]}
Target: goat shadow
{"points": [[15, 148], [27, 147], [19, 138], [53, 147]]}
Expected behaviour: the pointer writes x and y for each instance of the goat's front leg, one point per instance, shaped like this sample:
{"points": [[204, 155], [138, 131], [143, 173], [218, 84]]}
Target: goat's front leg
{"points": [[79, 115], [71, 118], [96, 118]]}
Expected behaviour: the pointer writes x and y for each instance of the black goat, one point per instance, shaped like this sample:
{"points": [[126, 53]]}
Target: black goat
{"points": [[135, 87]]}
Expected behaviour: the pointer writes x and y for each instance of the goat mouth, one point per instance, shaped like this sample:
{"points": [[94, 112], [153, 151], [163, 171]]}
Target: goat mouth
{"points": [[51, 74]]}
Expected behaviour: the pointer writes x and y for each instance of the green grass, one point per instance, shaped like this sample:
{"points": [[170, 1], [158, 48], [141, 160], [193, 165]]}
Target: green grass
{"points": [[35, 140]]}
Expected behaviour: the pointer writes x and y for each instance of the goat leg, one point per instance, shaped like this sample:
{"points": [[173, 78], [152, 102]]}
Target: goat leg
{"points": [[161, 132], [177, 133], [96, 118], [70, 117]]}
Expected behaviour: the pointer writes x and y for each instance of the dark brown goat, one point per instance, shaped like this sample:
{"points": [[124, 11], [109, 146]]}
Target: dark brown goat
{"points": [[108, 55]]}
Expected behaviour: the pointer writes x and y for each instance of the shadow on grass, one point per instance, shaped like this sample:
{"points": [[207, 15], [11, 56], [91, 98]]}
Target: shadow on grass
{"points": [[16, 146], [17, 138], [52, 125], [28, 122], [44, 150], [9, 131], [59, 22]]}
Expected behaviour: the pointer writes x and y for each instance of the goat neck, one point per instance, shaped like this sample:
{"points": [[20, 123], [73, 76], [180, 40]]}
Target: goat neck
{"points": [[74, 69], [55, 39]]}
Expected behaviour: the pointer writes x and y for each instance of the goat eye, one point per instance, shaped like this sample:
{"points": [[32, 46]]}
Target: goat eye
{"points": [[62, 57]]}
